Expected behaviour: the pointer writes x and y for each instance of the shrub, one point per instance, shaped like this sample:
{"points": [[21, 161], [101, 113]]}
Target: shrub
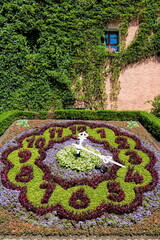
{"points": [[149, 121], [156, 106], [7, 118]]}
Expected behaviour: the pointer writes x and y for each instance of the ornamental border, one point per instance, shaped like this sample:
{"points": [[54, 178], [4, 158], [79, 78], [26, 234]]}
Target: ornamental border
{"points": [[103, 207]]}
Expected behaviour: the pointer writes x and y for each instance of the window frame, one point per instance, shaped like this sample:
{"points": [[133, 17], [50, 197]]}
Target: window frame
{"points": [[110, 31]]}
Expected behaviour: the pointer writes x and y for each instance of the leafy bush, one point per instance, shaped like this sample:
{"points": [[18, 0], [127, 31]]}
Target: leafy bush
{"points": [[156, 106], [7, 118], [107, 115], [149, 121], [32, 96]]}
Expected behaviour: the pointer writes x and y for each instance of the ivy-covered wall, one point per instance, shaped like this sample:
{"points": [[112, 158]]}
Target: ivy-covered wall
{"points": [[52, 51]]}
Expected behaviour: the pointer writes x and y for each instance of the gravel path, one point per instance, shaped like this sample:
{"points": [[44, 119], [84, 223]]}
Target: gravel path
{"points": [[39, 237]]}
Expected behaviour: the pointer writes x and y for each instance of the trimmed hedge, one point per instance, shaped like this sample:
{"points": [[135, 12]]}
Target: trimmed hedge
{"points": [[149, 121], [106, 115], [7, 118]]}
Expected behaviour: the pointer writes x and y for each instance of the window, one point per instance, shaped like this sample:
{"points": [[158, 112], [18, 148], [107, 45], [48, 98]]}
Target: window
{"points": [[112, 41]]}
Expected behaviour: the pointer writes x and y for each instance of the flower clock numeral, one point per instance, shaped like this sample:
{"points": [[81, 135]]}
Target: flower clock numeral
{"points": [[25, 174], [53, 132], [120, 190], [49, 190], [102, 132]]}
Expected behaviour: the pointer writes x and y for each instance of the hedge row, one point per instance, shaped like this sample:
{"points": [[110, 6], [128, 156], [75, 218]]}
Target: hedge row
{"points": [[7, 118], [107, 115], [149, 121]]}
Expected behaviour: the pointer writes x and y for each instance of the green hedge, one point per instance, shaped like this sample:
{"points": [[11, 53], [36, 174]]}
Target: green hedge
{"points": [[149, 121], [107, 115], [7, 118]]}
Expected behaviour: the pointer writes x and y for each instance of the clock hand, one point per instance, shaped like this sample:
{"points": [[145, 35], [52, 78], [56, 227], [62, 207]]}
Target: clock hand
{"points": [[105, 159], [81, 136]]}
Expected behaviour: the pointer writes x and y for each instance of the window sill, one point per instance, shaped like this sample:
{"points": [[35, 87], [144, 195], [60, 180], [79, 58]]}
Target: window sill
{"points": [[113, 54]]}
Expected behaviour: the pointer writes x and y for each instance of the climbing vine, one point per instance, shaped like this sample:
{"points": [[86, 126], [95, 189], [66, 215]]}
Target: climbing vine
{"points": [[144, 45], [52, 52]]}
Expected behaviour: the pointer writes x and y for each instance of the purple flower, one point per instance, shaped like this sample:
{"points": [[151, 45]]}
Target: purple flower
{"points": [[9, 198]]}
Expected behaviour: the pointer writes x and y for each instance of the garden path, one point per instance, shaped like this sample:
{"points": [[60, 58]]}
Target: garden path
{"points": [[38, 237]]}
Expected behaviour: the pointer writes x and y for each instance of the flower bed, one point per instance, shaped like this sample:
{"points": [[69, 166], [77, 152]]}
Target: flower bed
{"points": [[37, 189]]}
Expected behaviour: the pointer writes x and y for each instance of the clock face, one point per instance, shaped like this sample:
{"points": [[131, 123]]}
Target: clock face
{"points": [[44, 168]]}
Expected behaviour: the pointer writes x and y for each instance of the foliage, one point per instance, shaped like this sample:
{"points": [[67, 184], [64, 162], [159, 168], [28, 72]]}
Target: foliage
{"points": [[156, 106], [98, 114], [86, 161], [144, 45], [149, 121], [82, 197], [51, 51], [22, 222], [7, 118]]}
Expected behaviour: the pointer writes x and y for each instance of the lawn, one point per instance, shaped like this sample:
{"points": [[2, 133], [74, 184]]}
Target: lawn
{"points": [[47, 188]]}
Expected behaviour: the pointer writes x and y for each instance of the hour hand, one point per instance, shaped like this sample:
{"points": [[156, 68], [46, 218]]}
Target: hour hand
{"points": [[78, 147]]}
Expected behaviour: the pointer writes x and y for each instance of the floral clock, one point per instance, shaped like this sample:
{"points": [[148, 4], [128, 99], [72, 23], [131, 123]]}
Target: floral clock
{"points": [[43, 167]]}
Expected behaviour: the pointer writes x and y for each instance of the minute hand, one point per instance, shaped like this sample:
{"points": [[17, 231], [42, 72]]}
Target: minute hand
{"points": [[105, 159]]}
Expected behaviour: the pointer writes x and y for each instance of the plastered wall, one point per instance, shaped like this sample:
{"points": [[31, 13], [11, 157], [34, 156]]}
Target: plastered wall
{"points": [[139, 82]]}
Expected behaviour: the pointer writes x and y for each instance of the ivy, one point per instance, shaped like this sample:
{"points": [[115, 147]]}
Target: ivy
{"points": [[52, 53]]}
